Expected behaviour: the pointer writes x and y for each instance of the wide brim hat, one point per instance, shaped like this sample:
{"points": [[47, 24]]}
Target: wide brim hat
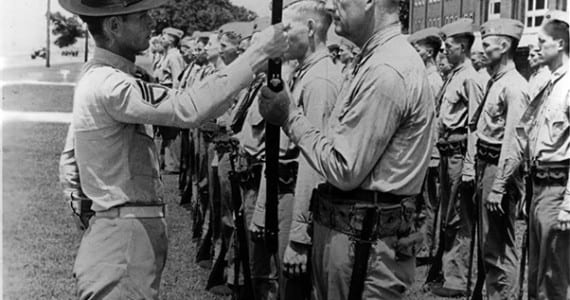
{"points": [[102, 8]]}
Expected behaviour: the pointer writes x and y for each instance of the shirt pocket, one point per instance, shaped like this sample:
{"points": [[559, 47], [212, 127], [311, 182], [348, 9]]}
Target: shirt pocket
{"points": [[451, 96], [557, 121], [496, 111], [143, 155]]}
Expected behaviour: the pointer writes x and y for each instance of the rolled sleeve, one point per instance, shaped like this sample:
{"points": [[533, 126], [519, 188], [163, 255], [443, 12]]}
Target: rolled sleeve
{"points": [[517, 101], [68, 170], [473, 91], [319, 96]]}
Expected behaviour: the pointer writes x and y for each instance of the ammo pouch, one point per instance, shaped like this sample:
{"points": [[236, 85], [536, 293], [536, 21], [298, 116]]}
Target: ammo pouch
{"points": [[250, 178], [448, 149], [81, 207], [550, 173], [344, 212], [488, 152], [287, 176]]}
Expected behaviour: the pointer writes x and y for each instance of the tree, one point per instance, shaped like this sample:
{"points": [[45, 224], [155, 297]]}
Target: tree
{"points": [[67, 29], [201, 15]]}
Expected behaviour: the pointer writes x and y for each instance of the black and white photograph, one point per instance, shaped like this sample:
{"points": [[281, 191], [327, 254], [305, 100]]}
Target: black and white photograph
{"points": [[285, 149]]}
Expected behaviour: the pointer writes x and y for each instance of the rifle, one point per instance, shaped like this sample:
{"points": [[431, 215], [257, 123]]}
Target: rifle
{"points": [[528, 199], [242, 253], [275, 83], [481, 272]]}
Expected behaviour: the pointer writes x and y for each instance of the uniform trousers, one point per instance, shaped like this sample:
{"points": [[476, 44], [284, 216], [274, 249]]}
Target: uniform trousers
{"points": [[389, 273], [498, 233], [549, 249], [456, 221], [121, 258]]}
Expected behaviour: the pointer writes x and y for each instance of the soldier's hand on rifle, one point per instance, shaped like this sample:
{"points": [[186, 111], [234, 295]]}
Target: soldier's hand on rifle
{"points": [[276, 108], [295, 259], [493, 203], [269, 43], [563, 220], [256, 232]]}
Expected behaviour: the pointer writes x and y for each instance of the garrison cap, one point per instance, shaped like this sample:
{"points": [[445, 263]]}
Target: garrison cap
{"points": [[173, 32], [424, 34], [459, 27], [103, 8], [506, 27], [559, 15]]}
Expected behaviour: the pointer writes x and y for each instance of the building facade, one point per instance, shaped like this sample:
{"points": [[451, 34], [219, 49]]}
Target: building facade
{"points": [[436, 13]]}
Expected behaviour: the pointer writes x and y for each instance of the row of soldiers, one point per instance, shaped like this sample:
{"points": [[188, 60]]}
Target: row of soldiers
{"points": [[348, 206], [478, 105]]}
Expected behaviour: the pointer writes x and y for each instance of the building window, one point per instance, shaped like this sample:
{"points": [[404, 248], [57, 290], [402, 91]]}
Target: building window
{"points": [[535, 11], [495, 9]]}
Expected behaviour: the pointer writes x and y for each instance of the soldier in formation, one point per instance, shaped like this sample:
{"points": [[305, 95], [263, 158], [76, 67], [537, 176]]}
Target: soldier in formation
{"points": [[359, 155]]}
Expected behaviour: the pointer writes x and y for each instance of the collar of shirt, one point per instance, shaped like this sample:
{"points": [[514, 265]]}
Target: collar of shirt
{"points": [[508, 68], [461, 66], [172, 51], [559, 73], [310, 61], [116, 61], [378, 39]]}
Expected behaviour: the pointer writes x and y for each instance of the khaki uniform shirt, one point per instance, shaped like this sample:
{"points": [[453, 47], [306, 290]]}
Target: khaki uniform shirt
{"points": [[460, 96], [538, 80], [170, 68], [506, 100], [315, 87], [114, 150], [380, 132], [544, 132]]}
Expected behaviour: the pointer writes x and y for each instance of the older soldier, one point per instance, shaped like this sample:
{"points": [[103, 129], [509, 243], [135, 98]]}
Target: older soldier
{"points": [[123, 252], [374, 157], [540, 74], [505, 101], [544, 140], [461, 94], [427, 43]]}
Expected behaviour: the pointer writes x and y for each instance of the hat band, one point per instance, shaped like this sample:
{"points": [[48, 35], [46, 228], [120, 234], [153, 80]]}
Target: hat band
{"points": [[107, 3]]}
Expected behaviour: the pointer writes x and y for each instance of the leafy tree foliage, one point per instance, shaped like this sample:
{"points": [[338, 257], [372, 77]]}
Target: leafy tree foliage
{"points": [[199, 15], [68, 29]]}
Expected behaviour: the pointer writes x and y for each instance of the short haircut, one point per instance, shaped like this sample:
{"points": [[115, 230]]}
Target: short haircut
{"points": [[316, 10], [432, 42], [466, 40], [232, 37], [514, 44], [558, 30], [94, 25]]}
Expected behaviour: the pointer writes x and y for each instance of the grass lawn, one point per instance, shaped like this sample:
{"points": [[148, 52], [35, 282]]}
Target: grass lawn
{"points": [[30, 97], [40, 238]]}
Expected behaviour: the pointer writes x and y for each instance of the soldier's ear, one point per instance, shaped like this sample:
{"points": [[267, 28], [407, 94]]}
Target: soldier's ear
{"points": [[112, 25], [311, 26], [560, 44]]}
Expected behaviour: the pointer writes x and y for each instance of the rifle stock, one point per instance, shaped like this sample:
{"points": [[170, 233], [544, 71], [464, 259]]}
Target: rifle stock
{"points": [[275, 83]]}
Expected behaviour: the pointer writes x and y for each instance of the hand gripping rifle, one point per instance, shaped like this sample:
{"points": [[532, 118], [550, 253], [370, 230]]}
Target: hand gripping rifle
{"points": [[275, 83]]}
